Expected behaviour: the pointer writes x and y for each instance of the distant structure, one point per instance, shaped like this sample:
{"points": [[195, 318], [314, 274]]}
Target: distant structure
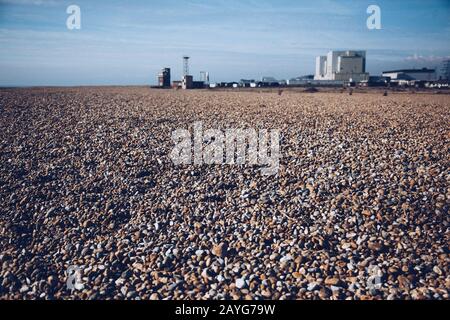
{"points": [[204, 76], [405, 76], [247, 83], [176, 84], [270, 82], [300, 80], [164, 78], [321, 67], [375, 81], [445, 70], [187, 81], [342, 66], [268, 79]]}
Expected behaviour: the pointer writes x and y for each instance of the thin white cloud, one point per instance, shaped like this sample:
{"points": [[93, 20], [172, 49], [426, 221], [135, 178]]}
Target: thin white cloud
{"points": [[30, 2], [431, 58]]}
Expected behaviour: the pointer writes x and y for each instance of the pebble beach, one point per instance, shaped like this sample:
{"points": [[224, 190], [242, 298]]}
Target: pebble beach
{"points": [[359, 208]]}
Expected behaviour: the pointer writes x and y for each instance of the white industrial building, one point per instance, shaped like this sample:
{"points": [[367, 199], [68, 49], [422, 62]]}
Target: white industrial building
{"points": [[342, 66], [406, 75], [321, 67]]}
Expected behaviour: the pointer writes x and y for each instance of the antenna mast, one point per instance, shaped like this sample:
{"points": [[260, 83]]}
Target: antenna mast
{"points": [[185, 65]]}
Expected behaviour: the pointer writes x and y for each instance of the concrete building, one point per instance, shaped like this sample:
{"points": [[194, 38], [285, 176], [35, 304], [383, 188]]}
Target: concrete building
{"points": [[342, 66], [187, 82], [321, 66], [164, 78], [407, 75]]}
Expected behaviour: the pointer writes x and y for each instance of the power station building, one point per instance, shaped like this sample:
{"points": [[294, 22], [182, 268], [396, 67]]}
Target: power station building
{"points": [[342, 66]]}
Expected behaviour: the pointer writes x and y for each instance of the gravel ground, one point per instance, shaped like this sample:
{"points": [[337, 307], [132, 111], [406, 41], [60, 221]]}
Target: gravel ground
{"points": [[358, 210]]}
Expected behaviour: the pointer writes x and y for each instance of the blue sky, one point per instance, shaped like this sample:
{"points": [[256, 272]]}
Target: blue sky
{"points": [[128, 42]]}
